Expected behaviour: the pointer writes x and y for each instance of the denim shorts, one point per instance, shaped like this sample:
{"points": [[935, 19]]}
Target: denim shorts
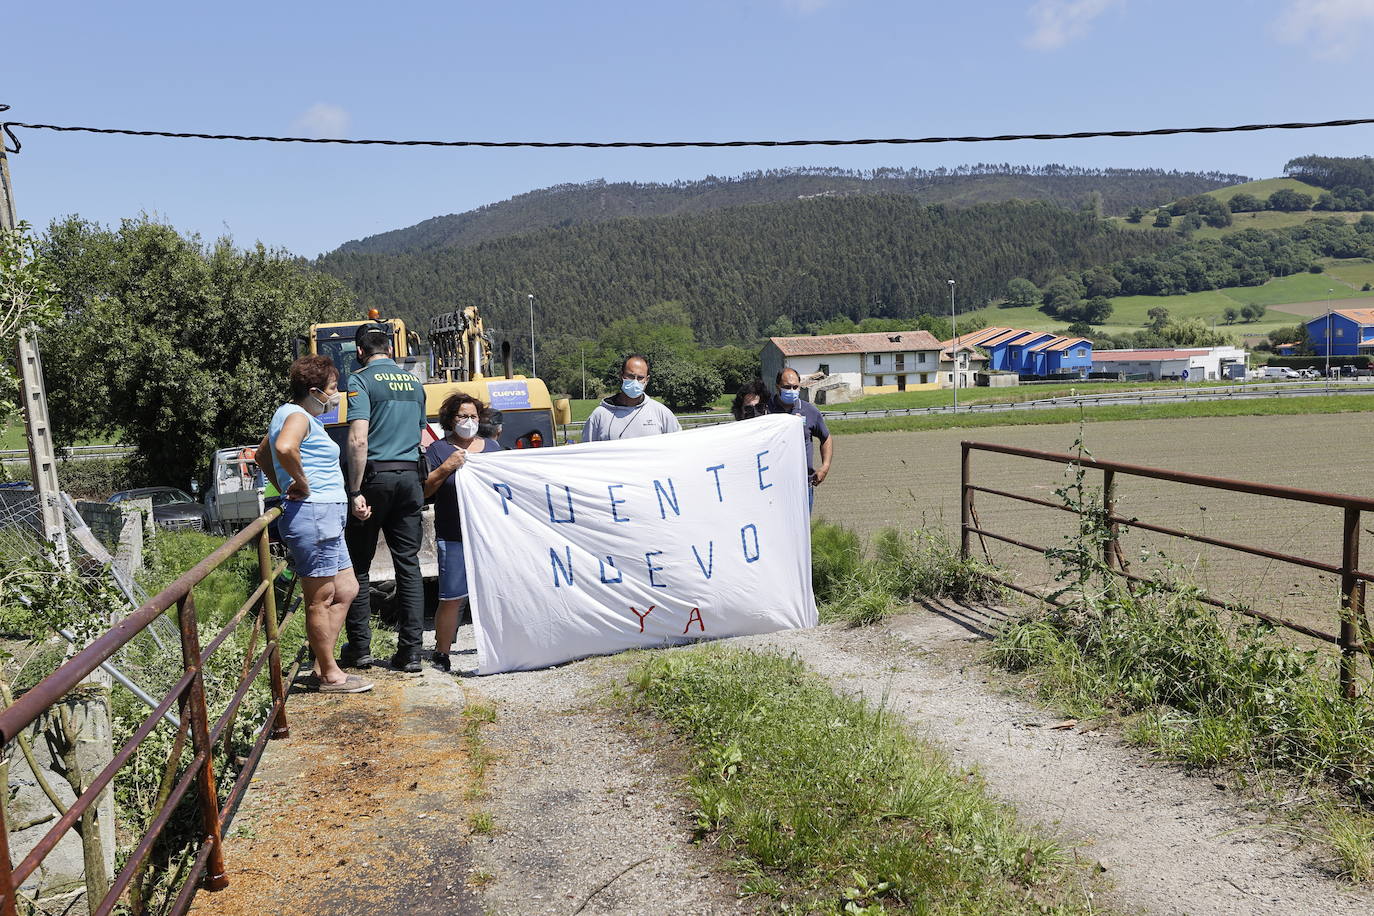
{"points": [[453, 572], [314, 534]]}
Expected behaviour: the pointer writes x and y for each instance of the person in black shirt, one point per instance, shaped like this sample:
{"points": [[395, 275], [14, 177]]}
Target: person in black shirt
{"points": [[751, 401], [459, 415]]}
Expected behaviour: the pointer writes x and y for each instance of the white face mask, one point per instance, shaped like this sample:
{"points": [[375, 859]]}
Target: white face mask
{"points": [[327, 405], [466, 427]]}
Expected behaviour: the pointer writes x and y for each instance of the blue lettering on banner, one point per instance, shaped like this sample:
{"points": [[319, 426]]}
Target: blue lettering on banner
{"points": [[671, 494], [553, 516], [744, 542], [618, 574], [649, 562], [503, 488], [610, 490], [758, 460], [710, 563], [716, 469], [558, 566], [509, 395]]}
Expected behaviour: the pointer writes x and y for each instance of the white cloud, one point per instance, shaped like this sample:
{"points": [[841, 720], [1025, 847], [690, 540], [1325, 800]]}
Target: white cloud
{"points": [[1058, 22], [322, 120], [1331, 28]]}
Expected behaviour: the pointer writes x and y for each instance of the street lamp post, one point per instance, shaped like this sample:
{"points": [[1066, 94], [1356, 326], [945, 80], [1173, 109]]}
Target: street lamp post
{"points": [[1328, 333], [533, 372], [953, 348]]}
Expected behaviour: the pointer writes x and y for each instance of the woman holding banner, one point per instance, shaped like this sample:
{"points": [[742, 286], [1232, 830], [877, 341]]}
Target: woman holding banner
{"points": [[459, 415]]}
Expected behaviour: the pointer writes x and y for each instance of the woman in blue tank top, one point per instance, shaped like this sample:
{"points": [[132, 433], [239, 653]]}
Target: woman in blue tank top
{"points": [[302, 462]]}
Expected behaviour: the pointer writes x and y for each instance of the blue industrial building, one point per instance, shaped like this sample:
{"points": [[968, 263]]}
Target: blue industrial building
{"points": [[1351, 333], [1033, 353]]}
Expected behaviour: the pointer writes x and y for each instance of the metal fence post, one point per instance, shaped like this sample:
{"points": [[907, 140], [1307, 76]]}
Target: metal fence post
{"points": [[7, 907], [280, 729], [1352, 595], [965, 500], [215, 877]]}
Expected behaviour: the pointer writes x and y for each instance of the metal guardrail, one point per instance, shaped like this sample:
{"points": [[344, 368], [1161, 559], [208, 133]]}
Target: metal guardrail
{"points": [[73, 452], [1141, 397], [1352, 579], [189, 694]]}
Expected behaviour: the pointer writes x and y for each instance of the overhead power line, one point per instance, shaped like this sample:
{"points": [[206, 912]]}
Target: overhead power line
{"points": [[676, 144]]}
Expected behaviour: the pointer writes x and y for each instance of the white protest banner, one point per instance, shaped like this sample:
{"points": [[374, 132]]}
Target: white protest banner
{"points": [[594, 548]]}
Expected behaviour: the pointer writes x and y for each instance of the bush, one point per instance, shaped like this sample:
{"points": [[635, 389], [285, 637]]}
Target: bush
{"points": [[95, 478]]}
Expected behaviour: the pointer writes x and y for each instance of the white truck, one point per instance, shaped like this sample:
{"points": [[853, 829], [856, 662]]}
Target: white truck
{"points": [[235, 495]]}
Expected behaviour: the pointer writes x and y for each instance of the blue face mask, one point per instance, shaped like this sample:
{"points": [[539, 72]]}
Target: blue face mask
{"points": [[633, 388], [789, 395]]}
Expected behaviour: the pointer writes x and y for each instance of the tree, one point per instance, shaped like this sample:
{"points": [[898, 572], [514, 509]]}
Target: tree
{"points": [[1080, 329], [736, 366], [1247, 312], [1162, 219], [1021, 291], [1100, 282], [1289, 201], [1159, 317], [28, 295], [179, 347], [1136, 215], [1097, 310], [686, 384], [1245, 203], [780, 327], [1061, 293], [1230, 314]]}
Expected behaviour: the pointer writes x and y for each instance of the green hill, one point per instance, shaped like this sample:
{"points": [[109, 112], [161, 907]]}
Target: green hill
{"points": [[1130, 313], [737, 270], [1266, 186], [597, 201]]}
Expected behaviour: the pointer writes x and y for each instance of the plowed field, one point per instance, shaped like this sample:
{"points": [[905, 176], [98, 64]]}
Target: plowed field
{"points": [[911, 478]]}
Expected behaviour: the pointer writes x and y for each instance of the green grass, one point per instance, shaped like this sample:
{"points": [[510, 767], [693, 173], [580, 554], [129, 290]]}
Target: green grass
{"points": [[1354, 272], [1266, 186], [1302, 287], [1131, 313], [1270, 219], [830, 806], [944, 397], [12, 437], [1249, 407]]}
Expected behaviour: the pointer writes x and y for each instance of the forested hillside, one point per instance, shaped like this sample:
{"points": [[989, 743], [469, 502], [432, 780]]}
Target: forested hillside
{"points": [[735, 271], [596, 201]]}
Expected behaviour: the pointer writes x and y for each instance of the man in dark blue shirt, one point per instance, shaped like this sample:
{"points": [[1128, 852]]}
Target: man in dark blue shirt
{"points": [[787, 399]]}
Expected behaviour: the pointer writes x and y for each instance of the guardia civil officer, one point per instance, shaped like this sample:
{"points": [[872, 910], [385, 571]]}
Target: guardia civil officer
{"points": [[386, 412]]}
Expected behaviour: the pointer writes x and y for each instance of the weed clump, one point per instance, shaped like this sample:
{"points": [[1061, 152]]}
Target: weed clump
{"points": [[859, 589]]}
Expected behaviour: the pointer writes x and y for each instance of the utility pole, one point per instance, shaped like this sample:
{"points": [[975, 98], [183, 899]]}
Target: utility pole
{"points": [[34, 398], [533, 371], [953, 347], [584, 372]]}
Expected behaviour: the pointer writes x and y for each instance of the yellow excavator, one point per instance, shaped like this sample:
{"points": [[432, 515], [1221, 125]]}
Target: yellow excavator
{"points": [[459, 360]]}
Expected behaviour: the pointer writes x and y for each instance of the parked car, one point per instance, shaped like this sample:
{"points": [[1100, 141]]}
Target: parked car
{"points": [[172, 508], [1309, 372]]}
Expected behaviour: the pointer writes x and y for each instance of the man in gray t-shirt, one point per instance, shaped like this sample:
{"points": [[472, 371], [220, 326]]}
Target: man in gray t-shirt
{"points": [[629, 412]]}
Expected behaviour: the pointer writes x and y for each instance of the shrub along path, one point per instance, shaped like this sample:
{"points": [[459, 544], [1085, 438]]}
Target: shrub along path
{"points": [[1169, 842]]}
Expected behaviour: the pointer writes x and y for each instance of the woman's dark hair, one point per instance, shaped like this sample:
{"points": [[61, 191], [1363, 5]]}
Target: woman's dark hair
{"points": [[756, 387], [448, 411], [310, 372]]}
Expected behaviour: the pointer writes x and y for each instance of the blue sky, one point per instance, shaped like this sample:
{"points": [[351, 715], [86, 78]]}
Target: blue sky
{"points": [[654, 69]]}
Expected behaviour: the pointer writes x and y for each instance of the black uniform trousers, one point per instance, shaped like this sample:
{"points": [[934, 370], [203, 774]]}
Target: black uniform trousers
{"points": [[396, 498]]}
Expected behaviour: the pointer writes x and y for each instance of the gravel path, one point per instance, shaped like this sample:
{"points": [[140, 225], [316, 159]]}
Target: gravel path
{"points": [[1170, 843], [586, 819]]}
